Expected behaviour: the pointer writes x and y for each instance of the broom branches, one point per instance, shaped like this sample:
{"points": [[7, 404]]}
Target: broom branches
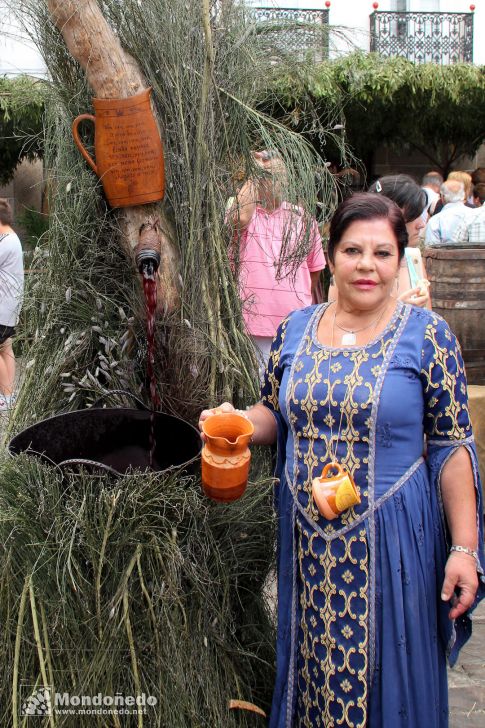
{"points": [[142, 584], [132, 588]]}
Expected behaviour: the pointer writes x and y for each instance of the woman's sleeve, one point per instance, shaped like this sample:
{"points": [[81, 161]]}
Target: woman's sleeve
{"points": [[316, 258], [446, 416], [447, 424], [270, 387]]}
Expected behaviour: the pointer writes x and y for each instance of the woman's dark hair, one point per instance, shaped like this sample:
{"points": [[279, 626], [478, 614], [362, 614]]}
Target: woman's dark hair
{"points": [[479, 191], [6, 215], [478, 176], [404, 191], [367, 206]]}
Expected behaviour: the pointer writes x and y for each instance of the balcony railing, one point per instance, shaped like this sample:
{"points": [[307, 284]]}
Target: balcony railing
{"points": [[299, 32], [441, 38]]}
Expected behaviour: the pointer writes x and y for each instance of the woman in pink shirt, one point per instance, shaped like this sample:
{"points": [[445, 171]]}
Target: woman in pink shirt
{"points": [[268, 229]]}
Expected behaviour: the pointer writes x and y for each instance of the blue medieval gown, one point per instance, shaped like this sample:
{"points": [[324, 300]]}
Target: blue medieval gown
{"points": [[362, 634]]}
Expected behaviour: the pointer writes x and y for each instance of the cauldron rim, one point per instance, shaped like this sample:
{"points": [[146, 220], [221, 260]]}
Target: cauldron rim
{"points": [[104, 411]]}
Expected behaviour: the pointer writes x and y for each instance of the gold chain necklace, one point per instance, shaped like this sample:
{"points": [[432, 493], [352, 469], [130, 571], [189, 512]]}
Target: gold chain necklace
{"points": [[335, 491]]}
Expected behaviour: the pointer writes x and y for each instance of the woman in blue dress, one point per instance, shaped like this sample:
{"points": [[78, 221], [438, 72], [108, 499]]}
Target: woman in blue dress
{"points": [[370, 603]]}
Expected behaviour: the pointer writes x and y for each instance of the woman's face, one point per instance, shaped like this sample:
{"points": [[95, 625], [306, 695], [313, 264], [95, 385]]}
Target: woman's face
{"points": [[272, 186], [366, 263], [414, 229]]}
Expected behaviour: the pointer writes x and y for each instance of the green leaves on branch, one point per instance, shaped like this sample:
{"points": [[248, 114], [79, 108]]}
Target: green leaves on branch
{"points": [[21, 122], [439, 110]]}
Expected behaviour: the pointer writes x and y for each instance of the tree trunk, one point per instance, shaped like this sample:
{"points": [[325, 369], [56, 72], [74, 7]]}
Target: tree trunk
{"points": [[113, 73]]}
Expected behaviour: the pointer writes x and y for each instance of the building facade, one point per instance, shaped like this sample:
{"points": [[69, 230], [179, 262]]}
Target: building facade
{"points": [[356, 18], [18, 54], [423, 30]]}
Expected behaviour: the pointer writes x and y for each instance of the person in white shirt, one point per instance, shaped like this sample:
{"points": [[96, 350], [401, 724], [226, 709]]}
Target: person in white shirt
{"points": [[441, 227], [431, 184], [472, 230], [11, 293]]}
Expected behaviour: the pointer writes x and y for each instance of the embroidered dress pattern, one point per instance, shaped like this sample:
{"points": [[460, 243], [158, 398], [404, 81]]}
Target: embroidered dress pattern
{"points": [[351, 590], [441, 372], [333, 664]]}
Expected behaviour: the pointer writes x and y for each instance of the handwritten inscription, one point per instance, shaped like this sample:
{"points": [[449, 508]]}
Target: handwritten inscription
{"points": [[132, 151]]}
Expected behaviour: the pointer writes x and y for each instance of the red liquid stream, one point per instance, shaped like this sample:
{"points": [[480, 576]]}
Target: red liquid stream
{"points": [[150, 291]]}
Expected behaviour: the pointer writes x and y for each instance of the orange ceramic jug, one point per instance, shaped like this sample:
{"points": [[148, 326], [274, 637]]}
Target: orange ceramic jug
{"points": [[334, 493], [226, 455], [128, 149]]}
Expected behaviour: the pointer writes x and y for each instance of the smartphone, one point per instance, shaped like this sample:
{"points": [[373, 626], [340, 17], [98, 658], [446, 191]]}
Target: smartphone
{"points": [[414, 264]]}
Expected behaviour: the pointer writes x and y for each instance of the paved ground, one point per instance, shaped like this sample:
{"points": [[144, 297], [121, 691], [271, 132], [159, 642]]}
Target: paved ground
{"points": [[466, 679]]}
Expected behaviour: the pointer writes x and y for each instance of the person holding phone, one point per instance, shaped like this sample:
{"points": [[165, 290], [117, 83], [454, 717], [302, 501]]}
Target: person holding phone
{"points": [[412, 283]]}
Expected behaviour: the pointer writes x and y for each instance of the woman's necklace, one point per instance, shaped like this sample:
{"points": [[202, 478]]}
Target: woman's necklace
{"points": [[333, 455], [335, 491], [349, 333], [349, 338]]}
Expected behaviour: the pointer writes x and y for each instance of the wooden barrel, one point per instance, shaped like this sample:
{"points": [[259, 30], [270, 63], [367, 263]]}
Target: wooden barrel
{"points": [[457, 276]]}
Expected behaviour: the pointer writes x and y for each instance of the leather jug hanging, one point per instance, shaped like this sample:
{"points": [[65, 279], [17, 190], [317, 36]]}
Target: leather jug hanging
{"points": [[128, 149]]}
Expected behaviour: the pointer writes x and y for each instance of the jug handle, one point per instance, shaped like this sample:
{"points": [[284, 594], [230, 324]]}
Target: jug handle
{"points": [[331, 466], [78, 141]]}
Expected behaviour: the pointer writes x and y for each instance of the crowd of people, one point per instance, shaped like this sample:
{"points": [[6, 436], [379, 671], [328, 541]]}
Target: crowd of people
{"points": [[438, 212], [367, 389], [455, 207]]}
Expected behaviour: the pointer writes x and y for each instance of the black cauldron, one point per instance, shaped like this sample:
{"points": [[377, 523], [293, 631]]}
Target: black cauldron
{"points": [[112, 440]]}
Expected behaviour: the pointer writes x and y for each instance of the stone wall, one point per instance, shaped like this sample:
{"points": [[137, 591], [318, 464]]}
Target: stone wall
{"points": [[25, 192], [415, 164], [26, 188]]}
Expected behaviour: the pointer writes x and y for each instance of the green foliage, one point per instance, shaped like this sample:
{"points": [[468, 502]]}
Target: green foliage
{"points": [[21, 122], [137, 585], [142, 584], [439, 110], [34, 224]]}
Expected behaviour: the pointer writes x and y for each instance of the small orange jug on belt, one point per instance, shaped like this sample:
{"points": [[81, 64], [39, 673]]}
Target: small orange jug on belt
{"points": [[128, 149], [334, 493], [226, 455]]}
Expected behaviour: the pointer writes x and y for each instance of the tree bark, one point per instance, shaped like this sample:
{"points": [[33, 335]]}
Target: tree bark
{"points": [[113, 73]]}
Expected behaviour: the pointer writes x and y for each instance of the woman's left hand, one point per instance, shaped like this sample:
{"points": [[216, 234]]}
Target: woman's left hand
{"points": [[460, 574]]}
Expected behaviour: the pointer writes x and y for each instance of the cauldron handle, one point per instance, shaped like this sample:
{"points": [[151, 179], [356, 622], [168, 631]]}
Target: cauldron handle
{"points": [[91, 463], [140, 405]]}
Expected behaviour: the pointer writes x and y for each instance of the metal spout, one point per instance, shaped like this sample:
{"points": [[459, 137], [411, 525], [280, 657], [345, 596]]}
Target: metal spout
{"points": [[147, 261], [147, 251]]}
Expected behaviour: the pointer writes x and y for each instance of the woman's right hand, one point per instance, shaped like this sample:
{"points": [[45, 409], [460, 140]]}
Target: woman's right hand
{"points": [[205, 414], [265, 430]]}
